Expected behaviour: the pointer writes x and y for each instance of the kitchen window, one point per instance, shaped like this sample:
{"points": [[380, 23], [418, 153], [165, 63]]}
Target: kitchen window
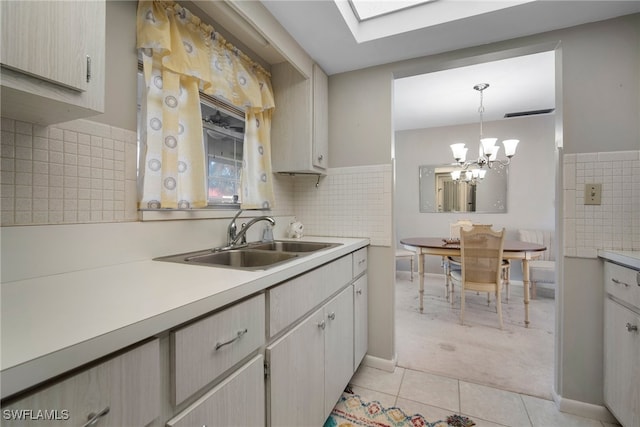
{"points": [[223, 136], [223, 139]]}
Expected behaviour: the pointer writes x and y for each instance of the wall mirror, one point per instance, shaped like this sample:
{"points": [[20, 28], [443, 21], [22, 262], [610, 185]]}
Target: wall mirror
{"points": [[439, 192]]}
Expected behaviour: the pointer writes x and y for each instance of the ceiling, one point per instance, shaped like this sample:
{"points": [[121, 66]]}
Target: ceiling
{"points": [[445, 98], [324, 29]]}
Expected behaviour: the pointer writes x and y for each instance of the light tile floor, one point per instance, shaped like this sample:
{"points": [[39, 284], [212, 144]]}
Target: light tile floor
{"points": [[436, 397]]}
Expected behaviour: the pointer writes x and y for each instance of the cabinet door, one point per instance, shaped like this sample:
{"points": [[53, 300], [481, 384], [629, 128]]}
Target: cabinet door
{"points": [[237, 401], [621, 367], [338, 350], [296, 375], [360, 320], [45, 39], [45, 72], [123, 391], [320, 156]]}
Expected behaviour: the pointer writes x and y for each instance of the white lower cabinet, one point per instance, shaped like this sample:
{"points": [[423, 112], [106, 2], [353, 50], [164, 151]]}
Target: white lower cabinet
{"points": [[236, 401], [360, 320], [310, 365], [622, 363], [123, 391], [296, 375], [622, 343]]}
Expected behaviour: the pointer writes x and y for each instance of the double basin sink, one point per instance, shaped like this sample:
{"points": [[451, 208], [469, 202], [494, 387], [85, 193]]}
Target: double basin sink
{"points": [[254, 256]]}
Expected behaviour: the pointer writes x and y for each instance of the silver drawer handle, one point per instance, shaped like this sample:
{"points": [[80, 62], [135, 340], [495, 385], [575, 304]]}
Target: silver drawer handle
{"points": [[331, 316], [219, 345], [362, 261], [618, 282], [631, 328], [94, 418], [322, 324]]}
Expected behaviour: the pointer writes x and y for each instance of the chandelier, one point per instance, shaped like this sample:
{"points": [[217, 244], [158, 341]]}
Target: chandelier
{"points": [[487, 151]]}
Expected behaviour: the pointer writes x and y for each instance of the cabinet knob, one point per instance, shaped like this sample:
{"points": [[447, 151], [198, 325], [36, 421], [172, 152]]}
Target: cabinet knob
{"points": [[94, 418], [359, 292], [631, 328], [320, 158], [322, 324], [331, 316]]}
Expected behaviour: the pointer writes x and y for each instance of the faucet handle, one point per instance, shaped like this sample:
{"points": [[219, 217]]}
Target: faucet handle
{"points": [[233, 228]]}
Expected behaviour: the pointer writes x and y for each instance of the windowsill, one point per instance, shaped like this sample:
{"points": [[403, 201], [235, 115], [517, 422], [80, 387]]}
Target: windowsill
{"points": [[182, 214]]}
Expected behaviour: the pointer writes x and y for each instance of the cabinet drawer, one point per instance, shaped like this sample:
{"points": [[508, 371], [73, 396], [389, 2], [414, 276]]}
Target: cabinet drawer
{"points": [[622, 282], [125, 391], [237, 401], [296, 297], [207, 348], [359, 262]]}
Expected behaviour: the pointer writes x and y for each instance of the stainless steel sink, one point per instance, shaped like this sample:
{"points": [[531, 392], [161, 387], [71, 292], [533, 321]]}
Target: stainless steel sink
{"points": [[244, 259], [254, 256], [290, 246]]}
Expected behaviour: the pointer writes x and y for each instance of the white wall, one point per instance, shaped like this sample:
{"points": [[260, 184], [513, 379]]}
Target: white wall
{"points": [[531, 179]]}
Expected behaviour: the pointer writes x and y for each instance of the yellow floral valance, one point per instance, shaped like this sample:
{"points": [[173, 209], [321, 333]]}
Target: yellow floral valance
{"points": [[189, 47]]}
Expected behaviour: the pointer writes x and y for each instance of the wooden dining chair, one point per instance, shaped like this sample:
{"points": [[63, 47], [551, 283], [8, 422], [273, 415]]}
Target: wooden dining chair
{"points": [[481, 255], [452, 263]]}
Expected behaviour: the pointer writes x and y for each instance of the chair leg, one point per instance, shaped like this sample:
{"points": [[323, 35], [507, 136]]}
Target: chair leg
{"points": [[462, 304], [507, 281], [447, 278], [499, 307]]}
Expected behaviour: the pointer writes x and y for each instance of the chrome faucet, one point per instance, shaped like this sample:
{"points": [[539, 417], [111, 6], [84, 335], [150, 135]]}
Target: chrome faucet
{"points": [[238, 238]]}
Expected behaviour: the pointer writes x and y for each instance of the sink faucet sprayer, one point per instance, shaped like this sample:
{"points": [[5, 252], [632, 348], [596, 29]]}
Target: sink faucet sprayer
{"points": [[235, 237]]}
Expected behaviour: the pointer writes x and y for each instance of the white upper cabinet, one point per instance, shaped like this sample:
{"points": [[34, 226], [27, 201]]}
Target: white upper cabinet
{"points": [[300, 128], [53, 60]]}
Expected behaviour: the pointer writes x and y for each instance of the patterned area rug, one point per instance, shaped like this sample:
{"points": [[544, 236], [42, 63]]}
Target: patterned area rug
{"points": [[352, 411]]}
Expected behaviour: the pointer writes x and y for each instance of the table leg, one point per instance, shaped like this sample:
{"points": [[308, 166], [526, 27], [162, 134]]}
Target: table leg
{"points": [[526, 283], [421, 274]]}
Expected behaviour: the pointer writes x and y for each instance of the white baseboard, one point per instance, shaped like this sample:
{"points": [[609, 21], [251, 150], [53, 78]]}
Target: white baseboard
{"points": [[583, 409], [378, 363]]}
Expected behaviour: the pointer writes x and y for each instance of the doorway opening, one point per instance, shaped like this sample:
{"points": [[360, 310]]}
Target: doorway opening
{"points": [[434, 341]]}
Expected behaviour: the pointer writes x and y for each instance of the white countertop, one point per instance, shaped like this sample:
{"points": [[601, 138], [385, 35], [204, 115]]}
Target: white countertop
{"points": [[630, 259], [56, 323]]}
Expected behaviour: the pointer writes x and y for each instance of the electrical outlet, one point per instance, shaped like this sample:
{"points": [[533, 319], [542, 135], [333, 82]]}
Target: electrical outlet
{"points": [[592, 194]]}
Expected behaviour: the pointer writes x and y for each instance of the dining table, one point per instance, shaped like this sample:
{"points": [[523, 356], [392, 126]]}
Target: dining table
{"points": [[444, 247]]}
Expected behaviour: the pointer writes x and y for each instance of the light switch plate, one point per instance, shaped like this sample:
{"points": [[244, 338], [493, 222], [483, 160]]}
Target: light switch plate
{"points": [[592, 194]]}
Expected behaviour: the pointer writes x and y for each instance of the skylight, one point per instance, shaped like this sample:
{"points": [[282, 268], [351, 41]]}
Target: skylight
{"points": [[367, 9], [375, 19]]}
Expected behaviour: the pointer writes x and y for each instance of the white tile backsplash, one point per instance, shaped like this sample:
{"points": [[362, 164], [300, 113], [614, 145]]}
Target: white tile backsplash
{"points": [[85, 172], [66, 173], [615, 223], [348, 202]]}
